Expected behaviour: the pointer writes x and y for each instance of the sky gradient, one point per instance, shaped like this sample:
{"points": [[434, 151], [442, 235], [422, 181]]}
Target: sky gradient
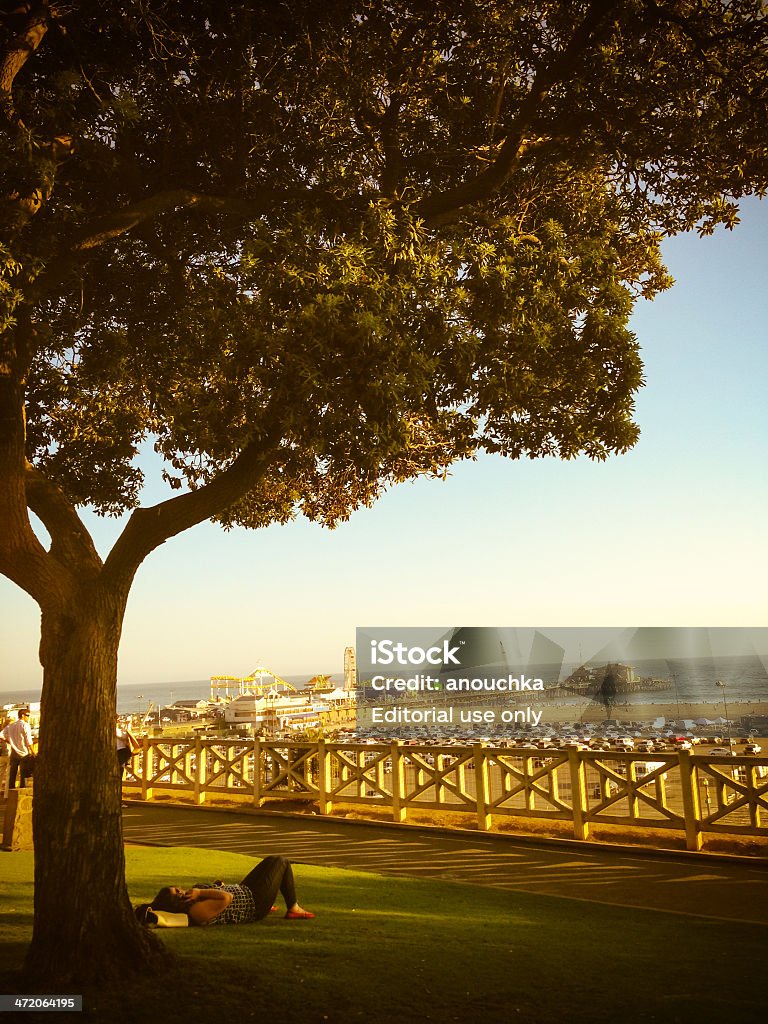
{"points": [[671, 534]]}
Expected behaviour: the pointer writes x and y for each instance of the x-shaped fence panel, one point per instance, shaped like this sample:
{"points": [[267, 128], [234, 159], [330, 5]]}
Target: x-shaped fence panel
{"points": [[169, 764], [226, 766], [733, 795], [441, 778], [530, 782], [358, 774], [623, 790], [288, 769]]}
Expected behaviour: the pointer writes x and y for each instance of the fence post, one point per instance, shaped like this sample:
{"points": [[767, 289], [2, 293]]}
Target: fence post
{"points": [[398, 783], [528, 768], [147, 767], [201, 771], [753, 784], [632, 801], [482, 787], [579, 806], [190, 764], [257, 780], [691, 803], [323, 778]]}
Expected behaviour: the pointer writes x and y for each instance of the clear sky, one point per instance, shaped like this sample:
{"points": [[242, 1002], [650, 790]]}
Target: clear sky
{"points": [[673, 534]]}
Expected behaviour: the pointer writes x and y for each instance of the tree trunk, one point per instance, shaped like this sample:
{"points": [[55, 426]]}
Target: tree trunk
{"points": [[84, 927]]}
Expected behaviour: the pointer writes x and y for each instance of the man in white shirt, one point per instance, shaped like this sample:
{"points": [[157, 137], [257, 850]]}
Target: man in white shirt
{"points": [[18, 736]]}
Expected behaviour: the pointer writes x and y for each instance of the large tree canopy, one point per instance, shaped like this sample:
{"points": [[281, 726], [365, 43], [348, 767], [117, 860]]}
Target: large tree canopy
{"points": [[310, 249]]}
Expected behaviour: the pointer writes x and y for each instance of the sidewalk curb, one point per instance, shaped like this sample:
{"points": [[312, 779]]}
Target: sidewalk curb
{"points": [[652, 852]]}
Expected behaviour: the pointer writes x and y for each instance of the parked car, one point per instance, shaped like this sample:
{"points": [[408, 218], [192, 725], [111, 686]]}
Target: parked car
{"points": [[719, 751]]}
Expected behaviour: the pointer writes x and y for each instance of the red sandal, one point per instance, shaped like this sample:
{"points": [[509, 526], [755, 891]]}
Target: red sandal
{"points": [[299, 915]]}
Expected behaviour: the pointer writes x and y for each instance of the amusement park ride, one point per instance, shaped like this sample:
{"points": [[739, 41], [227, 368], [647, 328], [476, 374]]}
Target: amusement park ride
{"points": [[262, 682]]}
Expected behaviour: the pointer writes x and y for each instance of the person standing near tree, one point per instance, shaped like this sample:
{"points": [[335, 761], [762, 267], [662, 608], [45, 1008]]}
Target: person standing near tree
{"points": [[18, 736], [125, 743]]}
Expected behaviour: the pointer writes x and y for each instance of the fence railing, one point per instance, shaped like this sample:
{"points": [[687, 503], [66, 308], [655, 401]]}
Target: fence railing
{"points": [[694, 794]]}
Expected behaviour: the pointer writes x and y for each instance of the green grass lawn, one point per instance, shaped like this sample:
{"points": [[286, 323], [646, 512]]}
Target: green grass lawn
{"points": [[386, 949]]}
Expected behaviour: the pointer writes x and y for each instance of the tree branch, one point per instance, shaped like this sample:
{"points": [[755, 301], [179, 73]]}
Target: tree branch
{"points": [[248, 207], [23, 558], [439, 208], [126, 219], [17, 53], [148, 528], [390, 177], [121, 222], [71, 544]]}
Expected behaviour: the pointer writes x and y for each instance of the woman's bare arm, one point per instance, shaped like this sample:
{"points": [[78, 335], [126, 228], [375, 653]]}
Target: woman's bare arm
{"points": [[205, 904]]}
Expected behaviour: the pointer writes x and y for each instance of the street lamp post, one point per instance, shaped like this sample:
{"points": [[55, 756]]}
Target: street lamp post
{"points": [[677, 695], [722, 686]]}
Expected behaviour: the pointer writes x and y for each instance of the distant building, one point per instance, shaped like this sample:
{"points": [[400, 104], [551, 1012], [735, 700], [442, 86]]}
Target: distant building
{"points": [[587, 676], [272, 713], [193, 708], [350, 669]]}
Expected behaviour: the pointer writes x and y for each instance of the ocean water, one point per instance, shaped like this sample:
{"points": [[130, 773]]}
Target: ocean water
{"points": [[136, 697], [692, 680]]}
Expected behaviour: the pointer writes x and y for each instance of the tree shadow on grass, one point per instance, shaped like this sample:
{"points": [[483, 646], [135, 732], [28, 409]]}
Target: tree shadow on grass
{"points": [[389, 948]]}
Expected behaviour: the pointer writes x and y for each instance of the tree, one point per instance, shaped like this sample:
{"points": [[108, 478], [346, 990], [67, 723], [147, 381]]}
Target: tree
{"points": [[309, 250]]}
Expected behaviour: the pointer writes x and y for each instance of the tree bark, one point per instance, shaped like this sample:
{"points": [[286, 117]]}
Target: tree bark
{"points": [[84, 929]]}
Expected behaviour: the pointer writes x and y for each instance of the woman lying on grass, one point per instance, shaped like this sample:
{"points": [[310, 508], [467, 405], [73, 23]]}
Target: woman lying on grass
{"points": [[251, 900]]}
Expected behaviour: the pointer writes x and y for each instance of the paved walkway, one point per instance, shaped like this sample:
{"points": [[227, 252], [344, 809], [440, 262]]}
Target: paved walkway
{"points": [[693, 885]]}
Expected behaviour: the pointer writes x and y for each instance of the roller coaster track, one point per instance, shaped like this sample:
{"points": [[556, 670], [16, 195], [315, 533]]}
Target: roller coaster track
{"points": [[260, 682]]}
